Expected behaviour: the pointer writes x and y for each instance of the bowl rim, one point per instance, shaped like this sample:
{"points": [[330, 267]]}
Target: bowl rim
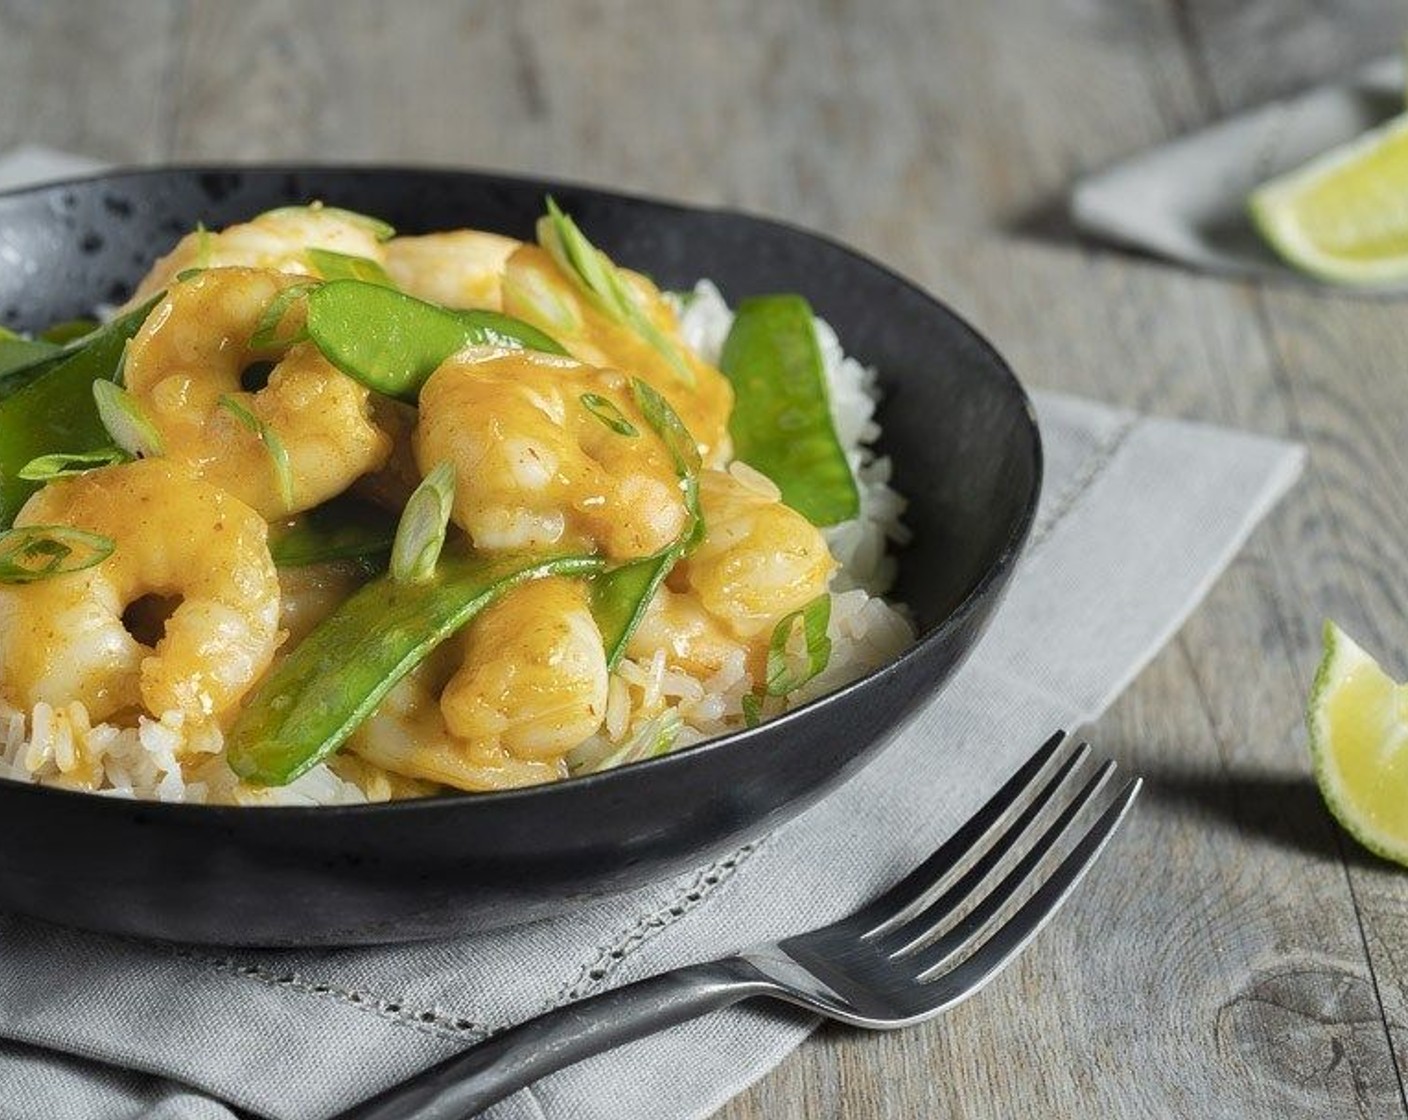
{"points": [[742, 738]]}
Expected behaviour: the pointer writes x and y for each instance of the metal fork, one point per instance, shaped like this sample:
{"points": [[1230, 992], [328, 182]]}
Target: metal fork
{"points": [[923, 946]]}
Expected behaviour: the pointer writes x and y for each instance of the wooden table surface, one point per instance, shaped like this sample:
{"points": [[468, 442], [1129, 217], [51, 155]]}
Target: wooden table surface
{"points": [[1238, 956]]}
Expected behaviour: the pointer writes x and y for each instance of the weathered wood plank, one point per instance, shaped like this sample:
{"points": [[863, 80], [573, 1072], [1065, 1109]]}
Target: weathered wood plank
{"points": [[50, 54], [1343, 373]]}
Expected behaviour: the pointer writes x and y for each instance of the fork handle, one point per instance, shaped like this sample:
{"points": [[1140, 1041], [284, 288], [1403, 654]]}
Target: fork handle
{"points": [[471, 1081]]}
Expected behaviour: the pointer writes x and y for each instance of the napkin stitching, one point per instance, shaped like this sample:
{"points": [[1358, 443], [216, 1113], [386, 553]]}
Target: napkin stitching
{"points": [[647, 927], [1100, 457], [431, 1020]]}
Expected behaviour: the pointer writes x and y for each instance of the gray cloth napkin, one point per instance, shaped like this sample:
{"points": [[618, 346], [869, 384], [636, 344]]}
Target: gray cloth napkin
{"points": [[1137, 519], [1187, 200]]}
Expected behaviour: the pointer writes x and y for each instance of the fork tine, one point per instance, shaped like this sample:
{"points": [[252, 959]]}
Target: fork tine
{"points": [[973, 923], [919, 892], [945, 989], [886, 912]]}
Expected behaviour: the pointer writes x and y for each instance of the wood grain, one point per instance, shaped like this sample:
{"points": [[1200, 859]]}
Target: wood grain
{"points": [[1266, 974]]}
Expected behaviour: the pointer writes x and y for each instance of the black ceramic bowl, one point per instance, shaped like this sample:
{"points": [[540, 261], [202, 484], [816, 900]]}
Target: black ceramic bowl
{"points": [[966, 452]]}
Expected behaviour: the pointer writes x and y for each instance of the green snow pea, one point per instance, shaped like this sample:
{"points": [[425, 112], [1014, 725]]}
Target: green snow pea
{"points": [[337, 675], [392, 342], [344, 528], [781, 422], [56, 412]]}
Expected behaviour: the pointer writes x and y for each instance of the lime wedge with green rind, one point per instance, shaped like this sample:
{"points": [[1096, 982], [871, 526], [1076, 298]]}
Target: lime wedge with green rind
{"points": [[1358, 720], [1343, 217]]}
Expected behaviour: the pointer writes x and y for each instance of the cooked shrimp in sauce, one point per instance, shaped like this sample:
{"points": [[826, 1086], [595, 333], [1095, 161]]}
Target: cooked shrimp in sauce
{"points": [[483, 533]]}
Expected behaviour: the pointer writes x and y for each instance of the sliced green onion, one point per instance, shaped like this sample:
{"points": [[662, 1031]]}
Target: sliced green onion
{"points": [[752, 709], [331, 681], [273, 444], [379, 229], [781, 420], [344, 266], [63, 464], [344, 528], [188, 274], [421, 534], [55, 411], [599, 278], [682, 447], [619, 598], [608, 414], [130, 428], [392, 342], [789, 668], [655, 738], [205, 246], [266, 329], [39, 552], [69, 330]]}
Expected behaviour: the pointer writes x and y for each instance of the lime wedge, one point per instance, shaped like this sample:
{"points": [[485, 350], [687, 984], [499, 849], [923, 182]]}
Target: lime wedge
{"points": [[1344, 216], [1358, 718]]}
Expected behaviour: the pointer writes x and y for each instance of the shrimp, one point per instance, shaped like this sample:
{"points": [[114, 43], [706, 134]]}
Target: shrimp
{"points": [[760, 559], [462, 268], [548, 453], [278, 240], [64, 638], [530, 684], [534, 289], [190, 354]]}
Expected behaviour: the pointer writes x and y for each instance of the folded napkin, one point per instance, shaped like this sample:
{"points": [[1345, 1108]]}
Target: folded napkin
{"points": [[1187, 200], [1137, 518]]}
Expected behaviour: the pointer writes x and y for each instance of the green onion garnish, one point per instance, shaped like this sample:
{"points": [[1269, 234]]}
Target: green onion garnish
{"points": [[38, 552], [421, 534], [599, 278], [125, 421], [266, 330], [752, 710], [608, 414], [204, 246], [64, 463], [784, 673], [278, 453]]}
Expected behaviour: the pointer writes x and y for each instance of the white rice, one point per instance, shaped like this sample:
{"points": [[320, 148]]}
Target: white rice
{"points": [[647, 703]]}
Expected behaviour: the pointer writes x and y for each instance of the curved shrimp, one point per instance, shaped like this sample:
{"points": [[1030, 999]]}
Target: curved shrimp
{"points": [[548, 453], [64, 638], [278, 240], [461, 268], [530, 684], [760, 559], [190, 354], [535, 290]]}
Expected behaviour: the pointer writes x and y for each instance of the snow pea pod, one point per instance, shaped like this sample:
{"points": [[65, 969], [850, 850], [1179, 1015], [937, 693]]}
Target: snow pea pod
{"points": [[392, 342], [22, 360], [56, 412], [344, 528], [335, 677], [781, 422], [619, 599]]}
